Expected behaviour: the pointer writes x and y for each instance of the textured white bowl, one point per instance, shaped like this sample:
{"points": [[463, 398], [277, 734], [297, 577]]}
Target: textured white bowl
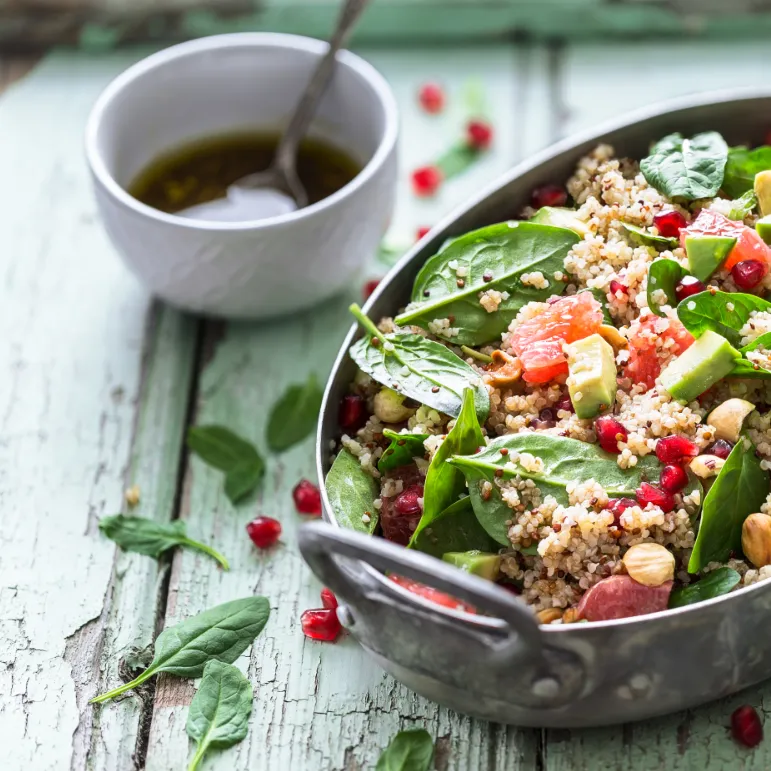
{"points": [[231, 83]]}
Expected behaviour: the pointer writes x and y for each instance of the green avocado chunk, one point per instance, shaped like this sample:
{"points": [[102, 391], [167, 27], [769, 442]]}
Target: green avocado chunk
{"points": [[482, 564], [707, 253], [708, 360], [762, 188], [560, 217], [592, 378], [763, 226]]}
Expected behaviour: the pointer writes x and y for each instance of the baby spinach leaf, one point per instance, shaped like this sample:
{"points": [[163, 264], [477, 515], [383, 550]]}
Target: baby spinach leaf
{"points": [[564, 461], [220, 448], [457, 159], [222, 633], [444, 483], [747, 369], [687, 168], [220, 710], [664, 274], [743, 206], [294, 415], [408, 751], [738, 491], [455, 529], [494, 257], [715, 583], [144, 536], [741, 168], [722, 312], [642, 236], [422, 369], [352, 492], [401, 451]]}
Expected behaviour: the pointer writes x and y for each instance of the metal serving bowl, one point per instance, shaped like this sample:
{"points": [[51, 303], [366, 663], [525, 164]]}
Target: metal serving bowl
{"points": [[505, 667]]}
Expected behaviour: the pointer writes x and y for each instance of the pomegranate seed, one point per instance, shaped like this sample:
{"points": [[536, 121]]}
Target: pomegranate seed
{"points": [[431, 98], [264, 531], [426, 180], [687, 286], [609, 433], [722, 448], [617, 286], [407, 501], [422, 232], [617, 506], [321, 624], [669, 223], [328, 599], [673, 478], [565, 403], [674, 449], [647, 493], [479, 134], [307, 498], [370, 287], [352, 415], [549, 195], [546, 415], [746, 726], [747, 274]]}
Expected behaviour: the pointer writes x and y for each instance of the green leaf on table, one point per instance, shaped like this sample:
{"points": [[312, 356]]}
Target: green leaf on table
{"points": [[455, 529], [352, 493], [722, 312], [739, 490], [404, 447], [220, 710], [742, 166], [457, 159], [221, 633], [389, 254], [408, 751], [220, 448], [743, 206], [294, 415], [687, 168], [717, 582], [664, 274], [492, 258], [144, 536], [642, 236]]}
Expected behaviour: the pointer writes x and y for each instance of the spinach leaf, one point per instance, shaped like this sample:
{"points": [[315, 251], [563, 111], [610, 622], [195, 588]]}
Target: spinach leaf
{"points": [[564, 461], [294, 415], [457, 159], [222, 633], [144, 536], [722, 312], [422, 369], [444, 483], [747, 370], [718, 582], [743, 206], [738, 490], [741, 168], [408, 751], [664, 274], [220, 710], [494, 257], [401, 451], [687, 168], [352, 492], [642, 236], [455, 529], [220, 448]]}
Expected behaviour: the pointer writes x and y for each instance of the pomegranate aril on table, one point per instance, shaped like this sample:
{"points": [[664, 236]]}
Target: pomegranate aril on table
{"points": [[328, 599], [431, 97], [422, 232], [264, 532], [426, 180], [746, 727], [307, 498], [479, 134], [369, 287], [321, 624]]}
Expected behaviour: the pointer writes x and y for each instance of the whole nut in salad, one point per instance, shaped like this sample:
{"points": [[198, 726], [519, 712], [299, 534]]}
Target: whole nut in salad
{"points": [[727, 418], [649, 564], [706, 466], [389, 407], [549, 615], [504, 370], [756, 539]]}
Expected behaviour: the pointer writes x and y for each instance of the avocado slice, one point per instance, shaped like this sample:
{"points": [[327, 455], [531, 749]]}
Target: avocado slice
{"points": [[763, 226], [707, 253], [480, 563], [592, 378], [708, 360], [560, 217], [762, 188]]}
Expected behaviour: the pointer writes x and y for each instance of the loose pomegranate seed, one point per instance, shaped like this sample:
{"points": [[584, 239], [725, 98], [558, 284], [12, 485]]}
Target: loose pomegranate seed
{"points": [[747, 274], [321, 624], [674, 449], [328, 599], [264, 531], [617, 506], [549, 195], [565, 403], [746, 726], [352, 415], [407, 501], [307, 498], [722, 448], [421, 232], [609, 433], [370, 287], [617, 286], [673, 478], [647, 493], [687, 286], [431, 97], [669, 223], [426, 180], [479, 134]]}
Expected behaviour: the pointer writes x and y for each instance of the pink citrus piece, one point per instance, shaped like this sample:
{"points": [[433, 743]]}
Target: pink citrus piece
{"points": [[645, 361]]}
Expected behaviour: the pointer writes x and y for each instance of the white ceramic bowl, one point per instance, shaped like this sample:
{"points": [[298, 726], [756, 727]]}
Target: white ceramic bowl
{"points": [[230, 83]]}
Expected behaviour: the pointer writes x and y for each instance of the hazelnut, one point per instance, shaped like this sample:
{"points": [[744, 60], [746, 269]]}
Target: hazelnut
{"points": [[649, 564], [756, 539], [389, 407], [504, 370], [570, 616], [612, 336], [706, 466], [549, 615], [727, 418]]}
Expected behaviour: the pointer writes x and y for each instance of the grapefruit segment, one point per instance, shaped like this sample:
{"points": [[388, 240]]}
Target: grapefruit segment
{"points": [[646, 357]]}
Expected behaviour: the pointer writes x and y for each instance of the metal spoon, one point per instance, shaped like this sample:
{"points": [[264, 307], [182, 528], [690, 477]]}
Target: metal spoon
{"points": [[278, 189]]}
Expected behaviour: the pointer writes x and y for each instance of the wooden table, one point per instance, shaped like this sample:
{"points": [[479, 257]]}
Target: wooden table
{"points": [[100, 382]]}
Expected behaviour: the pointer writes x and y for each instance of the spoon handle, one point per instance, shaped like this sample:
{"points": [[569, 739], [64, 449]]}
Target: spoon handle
{"points": [[286, 152]]}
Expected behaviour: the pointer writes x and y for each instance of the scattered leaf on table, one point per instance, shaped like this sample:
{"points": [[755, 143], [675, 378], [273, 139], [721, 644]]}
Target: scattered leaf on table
{"points": [[408, 751], [294, 416]]}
